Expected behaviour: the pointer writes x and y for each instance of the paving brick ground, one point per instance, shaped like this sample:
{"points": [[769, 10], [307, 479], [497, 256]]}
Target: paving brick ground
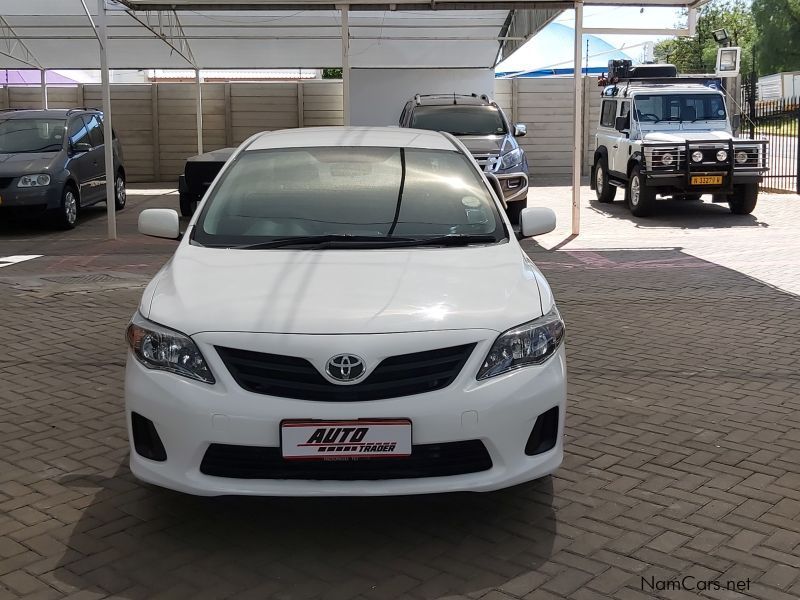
{"points": [[683, 436]]}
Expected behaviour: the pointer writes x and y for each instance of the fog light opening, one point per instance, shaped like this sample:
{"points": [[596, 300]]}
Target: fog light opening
{"points": [[544, 434], [146, 441]]}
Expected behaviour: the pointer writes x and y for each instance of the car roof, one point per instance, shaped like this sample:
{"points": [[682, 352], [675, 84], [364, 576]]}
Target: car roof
{"points": [[50, 113], [386, 137], [659, 88]]}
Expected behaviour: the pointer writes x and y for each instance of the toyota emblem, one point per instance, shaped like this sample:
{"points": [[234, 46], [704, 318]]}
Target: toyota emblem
{"points": [[345, 368]]}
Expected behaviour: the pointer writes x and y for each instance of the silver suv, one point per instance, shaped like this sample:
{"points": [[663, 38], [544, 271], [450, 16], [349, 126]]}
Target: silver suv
{"points": [[480, 124]]}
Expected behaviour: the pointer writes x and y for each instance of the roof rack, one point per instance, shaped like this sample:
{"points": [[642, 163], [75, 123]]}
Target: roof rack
{"points": [[418, 97], [81, 108]]}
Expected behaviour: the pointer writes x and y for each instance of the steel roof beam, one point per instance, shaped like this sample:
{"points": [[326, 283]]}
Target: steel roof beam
{"points": [[13, 47]]}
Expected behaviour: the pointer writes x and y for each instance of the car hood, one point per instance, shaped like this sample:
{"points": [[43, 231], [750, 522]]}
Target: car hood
{"points": [[682, 136], [25, 163], [344, 291], [482, 144]]}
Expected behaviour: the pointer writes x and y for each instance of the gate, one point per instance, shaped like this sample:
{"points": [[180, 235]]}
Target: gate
{"points": [[779, 122]]}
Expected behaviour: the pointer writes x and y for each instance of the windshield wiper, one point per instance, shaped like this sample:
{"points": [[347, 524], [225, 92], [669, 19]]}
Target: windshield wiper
{"points": [[454, 239], [368, 241], [329, 239]]}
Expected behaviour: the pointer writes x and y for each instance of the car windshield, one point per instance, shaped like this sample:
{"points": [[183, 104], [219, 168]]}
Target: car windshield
{"points": [[656, 108], [31, 135], [361, 194], [459, 120]]}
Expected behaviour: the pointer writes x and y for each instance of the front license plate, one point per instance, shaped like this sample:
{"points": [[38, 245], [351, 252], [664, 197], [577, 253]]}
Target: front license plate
{"points": [[333, 440], [707, 180]]}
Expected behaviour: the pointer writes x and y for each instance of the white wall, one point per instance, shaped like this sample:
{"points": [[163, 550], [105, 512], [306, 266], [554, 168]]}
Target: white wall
{"points": [[377, 96]]}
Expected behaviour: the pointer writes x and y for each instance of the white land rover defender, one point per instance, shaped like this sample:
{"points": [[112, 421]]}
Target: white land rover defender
{"points": [[660, 134]]}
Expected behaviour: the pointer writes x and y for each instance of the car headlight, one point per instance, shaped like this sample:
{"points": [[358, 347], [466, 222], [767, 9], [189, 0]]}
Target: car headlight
{"points": [[34, 180], [667, 159], [741, 157], [697, 156], [511, 159], [163, 349], [722, 155], [529, 344]]}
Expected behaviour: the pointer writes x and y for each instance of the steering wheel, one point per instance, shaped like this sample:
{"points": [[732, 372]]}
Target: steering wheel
{"points": [[643, 115]]}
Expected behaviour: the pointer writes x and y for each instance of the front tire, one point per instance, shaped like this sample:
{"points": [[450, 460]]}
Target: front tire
{"points": [[604, 190], [514, 210], [120, 193], [641, 199], [744, 198], [66, 214]]}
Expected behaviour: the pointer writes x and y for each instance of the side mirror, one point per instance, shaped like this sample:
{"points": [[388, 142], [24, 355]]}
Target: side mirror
{"points": [[622, 123], [80, 147], [520, 130], [160, 222], [536, 221]]}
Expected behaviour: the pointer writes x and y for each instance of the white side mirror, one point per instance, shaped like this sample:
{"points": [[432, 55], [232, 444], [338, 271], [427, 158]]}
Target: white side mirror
{"points": [[160, 222], [536, 221]]}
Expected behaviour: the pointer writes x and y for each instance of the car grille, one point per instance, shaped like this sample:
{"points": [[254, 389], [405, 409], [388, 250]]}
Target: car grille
{"points": [[5, 182], [293, 377], [484, 159], [426, 460]]}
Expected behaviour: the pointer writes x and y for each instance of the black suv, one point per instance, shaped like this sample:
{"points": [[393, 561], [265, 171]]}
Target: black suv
{"points": [[483, 128], [53, 161]]}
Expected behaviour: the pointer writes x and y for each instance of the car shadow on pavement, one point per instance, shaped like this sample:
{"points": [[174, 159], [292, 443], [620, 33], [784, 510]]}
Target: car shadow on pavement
{"points": [[135, 540], [682, 214]]}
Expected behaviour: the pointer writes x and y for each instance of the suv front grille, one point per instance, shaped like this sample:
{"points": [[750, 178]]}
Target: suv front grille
{"points": [[426, 460], [484, 159], [294, 377]]}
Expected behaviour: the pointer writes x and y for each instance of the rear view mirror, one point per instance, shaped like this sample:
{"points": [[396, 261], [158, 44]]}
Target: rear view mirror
{"points": [[78, 147], [160, 222], [536, 221], [622, 123], [520, 130]]}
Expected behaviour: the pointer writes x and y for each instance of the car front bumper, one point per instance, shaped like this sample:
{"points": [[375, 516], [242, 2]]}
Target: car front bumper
{"points": [[500, 412], [32, 198], [514, 185]]}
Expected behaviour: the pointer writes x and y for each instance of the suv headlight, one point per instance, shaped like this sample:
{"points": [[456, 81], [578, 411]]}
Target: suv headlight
{"points": [[529, 344], [511, 159], [164, 349], [39, 180]]}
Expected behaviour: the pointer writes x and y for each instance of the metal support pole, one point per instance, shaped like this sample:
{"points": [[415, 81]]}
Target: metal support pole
{"points": [[577, 154], [345, 65], [43, 74], [199, 109], [102, 30]]}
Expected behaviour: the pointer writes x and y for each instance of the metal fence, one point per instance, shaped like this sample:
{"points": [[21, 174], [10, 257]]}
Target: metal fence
{"points": [[778, 121]]}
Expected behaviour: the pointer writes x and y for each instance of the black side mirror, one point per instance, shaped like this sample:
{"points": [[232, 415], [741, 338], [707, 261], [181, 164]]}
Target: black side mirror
{"points": [[622, 123], [78, 147]]}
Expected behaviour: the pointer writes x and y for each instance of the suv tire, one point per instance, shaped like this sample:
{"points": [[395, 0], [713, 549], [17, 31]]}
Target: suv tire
{"points": [[120, 193], [744, 198], [514, 210], [66, 215], [604, 190], [641, 199]]}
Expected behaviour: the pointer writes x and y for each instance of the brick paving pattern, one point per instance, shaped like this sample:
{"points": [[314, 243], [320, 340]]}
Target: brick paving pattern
{"points": [[683, 436]]}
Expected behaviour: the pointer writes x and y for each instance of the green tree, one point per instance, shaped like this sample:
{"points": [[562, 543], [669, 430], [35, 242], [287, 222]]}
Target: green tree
{"points": [[698, 54], [332, 73], [778, 24]]}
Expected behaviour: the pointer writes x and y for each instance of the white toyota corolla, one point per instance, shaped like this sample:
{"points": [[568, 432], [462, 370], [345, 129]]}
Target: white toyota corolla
{"points": [[347, 313]]}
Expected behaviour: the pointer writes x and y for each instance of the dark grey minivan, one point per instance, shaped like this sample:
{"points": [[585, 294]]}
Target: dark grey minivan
{"points": [[53, 162]]}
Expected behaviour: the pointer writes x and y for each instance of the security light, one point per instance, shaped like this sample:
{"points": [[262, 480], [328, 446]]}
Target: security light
{"points": [[728, 61], [721, 36]]}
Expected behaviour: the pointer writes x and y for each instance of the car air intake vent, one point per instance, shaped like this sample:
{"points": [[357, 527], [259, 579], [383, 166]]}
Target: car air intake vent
{"points": [[426, 460], [293, 377]]}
